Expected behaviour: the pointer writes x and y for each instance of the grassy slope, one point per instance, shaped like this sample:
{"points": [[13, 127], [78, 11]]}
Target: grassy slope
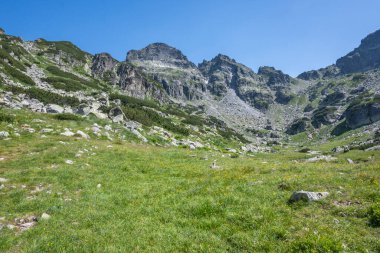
{"points": [[164, 200]]}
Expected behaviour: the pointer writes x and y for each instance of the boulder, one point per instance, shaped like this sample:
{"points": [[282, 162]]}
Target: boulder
{"points": [[4, 135], [83, 135], [83, 109], [307, 196], [52, 108], [116, 114]]}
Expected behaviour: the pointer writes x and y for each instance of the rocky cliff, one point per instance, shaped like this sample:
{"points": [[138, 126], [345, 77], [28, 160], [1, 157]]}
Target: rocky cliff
{"points": [[265, 104]]}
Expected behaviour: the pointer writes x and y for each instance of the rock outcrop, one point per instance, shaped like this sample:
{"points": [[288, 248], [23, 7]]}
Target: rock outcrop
{"points": [[363, 58]]}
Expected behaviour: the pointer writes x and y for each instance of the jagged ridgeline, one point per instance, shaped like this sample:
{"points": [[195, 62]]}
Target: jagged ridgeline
{"points": [[218, 100]]}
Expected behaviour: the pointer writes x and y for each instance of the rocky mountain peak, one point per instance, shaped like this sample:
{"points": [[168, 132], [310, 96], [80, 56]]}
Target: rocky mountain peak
{"points": [[274, 76], [2, 31], [102, 63], [160, 52], [363, 58]]}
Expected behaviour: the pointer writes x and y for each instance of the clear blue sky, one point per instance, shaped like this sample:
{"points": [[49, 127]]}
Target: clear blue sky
{"points": [[293, 36]]}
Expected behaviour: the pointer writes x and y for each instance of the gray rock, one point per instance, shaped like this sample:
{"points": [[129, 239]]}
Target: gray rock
{"points": [[117, 115], [4, 135], [307, 196], [83, 109], [82, 134], [68, 133], [363, 58], [45, 216], [52, 108]]}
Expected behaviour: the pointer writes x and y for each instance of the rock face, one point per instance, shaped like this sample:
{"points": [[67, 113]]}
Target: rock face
{"points": [[162, 53], [362, 114], [223, 88], [298, 126], [131, 80], [363, 58], [103, 66], [307, 196], [274, 76], [169, 69], [329, 71], [223, 73]]}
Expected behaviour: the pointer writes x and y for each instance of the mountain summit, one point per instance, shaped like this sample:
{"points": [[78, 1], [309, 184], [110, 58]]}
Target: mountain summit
{"points": [[363, 58], [160, 52]]}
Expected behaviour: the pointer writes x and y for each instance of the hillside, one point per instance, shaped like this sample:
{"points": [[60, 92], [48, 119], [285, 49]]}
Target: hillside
{"points": [[158, 154]]}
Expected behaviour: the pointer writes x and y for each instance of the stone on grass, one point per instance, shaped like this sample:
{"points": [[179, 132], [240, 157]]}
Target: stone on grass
{"points": [[214, 166], [46, 130], [69, 162], [350, 161], [99, 186], [327, 158], [53, 108], [45, 216], [307, 196], [4, 134], [83, 134], [3, 180], [68, 133]]}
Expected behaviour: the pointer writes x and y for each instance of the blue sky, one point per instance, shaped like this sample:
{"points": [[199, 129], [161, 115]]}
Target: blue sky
{"points": [[293, 36]]}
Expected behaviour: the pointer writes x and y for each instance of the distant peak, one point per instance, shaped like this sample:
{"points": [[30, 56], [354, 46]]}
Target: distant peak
{"points": [[160, 52], [2, 31]]}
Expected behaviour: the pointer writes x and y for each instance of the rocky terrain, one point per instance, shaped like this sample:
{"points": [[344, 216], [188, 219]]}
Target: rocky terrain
{"points": [[219, 96], [158, 154]]}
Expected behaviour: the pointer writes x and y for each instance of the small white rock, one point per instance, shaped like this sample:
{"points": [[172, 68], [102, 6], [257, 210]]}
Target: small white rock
{"points": [[45, 216], [69, 162], [99, 186]]}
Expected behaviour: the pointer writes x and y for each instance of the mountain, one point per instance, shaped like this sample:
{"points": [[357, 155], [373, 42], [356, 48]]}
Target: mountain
{"points": [[158, 86], [365, 57]]}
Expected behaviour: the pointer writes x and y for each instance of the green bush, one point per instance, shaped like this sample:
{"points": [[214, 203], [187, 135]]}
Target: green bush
{"points": [[65, 46], [6, 117], [64, 84], [149, 117], [67, 116], [374, 215], [44, 96], [133, 102], [5, 55], [71, 79], [194, 120], [18, 75]]}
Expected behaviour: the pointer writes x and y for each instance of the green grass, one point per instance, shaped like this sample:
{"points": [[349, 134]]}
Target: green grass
{"points": [[18, 75], [155, 199], [54, 47]]}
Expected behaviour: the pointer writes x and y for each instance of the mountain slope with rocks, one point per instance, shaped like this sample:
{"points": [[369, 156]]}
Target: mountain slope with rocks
{"points": [[158, 85]]}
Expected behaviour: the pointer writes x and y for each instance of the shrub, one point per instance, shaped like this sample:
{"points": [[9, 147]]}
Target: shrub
{"points": [[149, 117], [193, 120], [304, 150], [64, 84], [71, 79], [6, 117], [44, 96], [134, 102], [374, 215], [67, 116], [17, 74], [5, 55], [65, 46]]}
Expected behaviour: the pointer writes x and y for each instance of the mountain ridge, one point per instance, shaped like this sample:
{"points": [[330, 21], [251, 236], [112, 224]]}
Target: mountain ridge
{"points": [[269, 101]]}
